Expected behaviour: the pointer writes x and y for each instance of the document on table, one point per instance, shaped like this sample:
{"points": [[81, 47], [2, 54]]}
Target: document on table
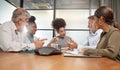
{"points": [[77, 54]]}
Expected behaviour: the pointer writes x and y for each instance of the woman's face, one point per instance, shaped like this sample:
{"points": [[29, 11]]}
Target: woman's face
{"points": [[32, 29], [62, 32]]}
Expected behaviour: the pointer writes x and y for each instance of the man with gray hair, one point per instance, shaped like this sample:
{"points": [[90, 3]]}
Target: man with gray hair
{"points": [[12, 35]]}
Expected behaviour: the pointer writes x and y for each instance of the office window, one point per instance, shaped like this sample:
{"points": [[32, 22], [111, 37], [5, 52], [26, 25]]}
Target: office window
{"points": [[44, 34], [5, 11], [38, 4], [94, 4], [43, 18], [78, 36], [75, 19], [92, 11], [72, 4]]}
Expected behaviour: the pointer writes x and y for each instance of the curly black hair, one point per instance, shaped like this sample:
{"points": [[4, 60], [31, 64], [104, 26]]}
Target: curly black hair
{"points": [[58, 23], [32, 19]]}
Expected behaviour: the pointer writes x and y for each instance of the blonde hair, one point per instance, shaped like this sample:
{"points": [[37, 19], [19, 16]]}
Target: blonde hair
{"points": [[20, 13]]}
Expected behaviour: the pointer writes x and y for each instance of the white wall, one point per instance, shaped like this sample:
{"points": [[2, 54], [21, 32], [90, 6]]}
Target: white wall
{"points": [[5, 11]]}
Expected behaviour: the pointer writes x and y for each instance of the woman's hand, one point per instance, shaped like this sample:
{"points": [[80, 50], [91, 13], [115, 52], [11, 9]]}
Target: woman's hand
{"points": [[71, 44]]}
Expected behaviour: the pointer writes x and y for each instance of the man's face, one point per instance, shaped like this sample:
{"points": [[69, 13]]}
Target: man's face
{"points": [[91, 25], [22, 23], [90, 21]]}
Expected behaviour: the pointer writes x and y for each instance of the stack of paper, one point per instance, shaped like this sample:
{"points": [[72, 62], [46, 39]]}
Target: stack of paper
{"points": [[77, 54]]}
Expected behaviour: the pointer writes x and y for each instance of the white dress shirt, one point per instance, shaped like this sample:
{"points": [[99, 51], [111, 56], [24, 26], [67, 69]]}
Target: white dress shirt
{"points": [[92, 40], [13, 40]]}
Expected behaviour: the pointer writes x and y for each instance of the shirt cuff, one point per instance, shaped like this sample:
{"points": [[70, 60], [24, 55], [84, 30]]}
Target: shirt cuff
{"points": [[32, 46], [90, 52]]}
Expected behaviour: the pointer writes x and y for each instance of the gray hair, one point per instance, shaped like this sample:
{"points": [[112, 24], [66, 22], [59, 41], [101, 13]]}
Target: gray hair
{"points": [[20, 13]]}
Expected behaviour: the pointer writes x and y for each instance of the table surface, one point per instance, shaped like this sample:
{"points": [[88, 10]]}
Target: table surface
{"points": [[20, 61]]}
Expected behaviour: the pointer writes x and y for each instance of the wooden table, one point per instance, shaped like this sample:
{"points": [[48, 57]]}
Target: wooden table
{"points": [[19, 61]]}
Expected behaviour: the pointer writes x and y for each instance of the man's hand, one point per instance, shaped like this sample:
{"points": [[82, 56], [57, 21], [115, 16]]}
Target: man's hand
{"points": [[54, 40], [39, 42]]}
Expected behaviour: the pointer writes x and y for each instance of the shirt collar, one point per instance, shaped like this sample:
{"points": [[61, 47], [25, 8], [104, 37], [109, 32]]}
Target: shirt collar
{"points": [[103, 33], [111, 27], [13, 25], [60, 37], [97, 32]]}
